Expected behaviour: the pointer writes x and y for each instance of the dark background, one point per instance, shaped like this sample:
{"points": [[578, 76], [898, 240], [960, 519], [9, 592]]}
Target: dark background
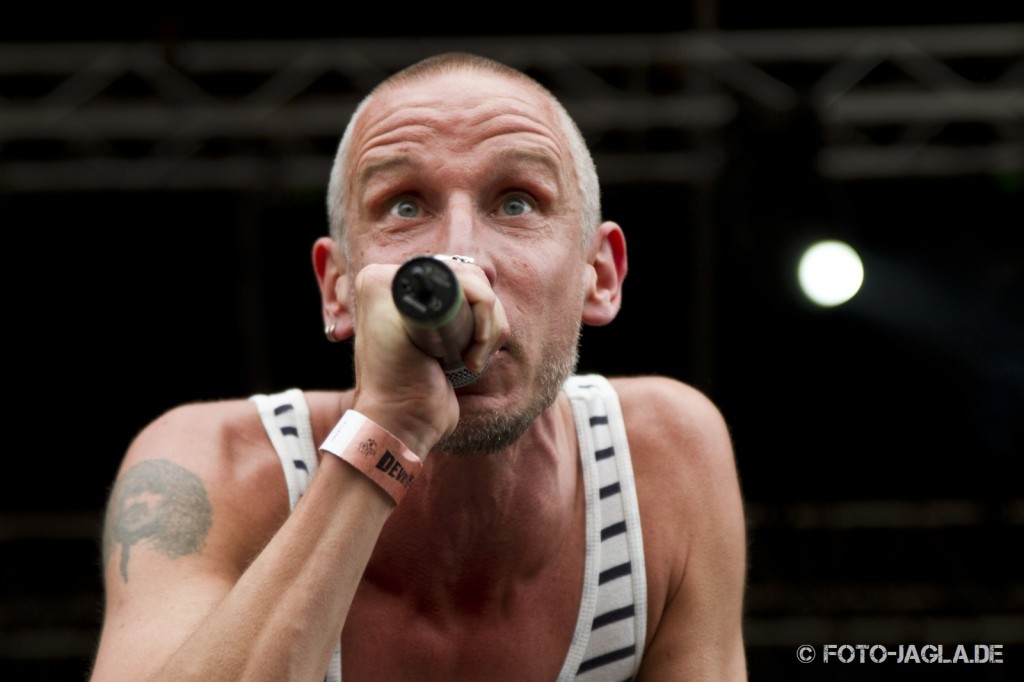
{"points": [[878, 444]]}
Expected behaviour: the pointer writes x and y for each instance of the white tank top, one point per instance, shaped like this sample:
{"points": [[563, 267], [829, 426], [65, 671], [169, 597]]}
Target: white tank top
{"points": [[610, 631]]}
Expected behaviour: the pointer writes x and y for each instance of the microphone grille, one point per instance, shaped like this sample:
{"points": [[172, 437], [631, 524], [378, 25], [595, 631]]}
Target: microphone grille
{"points": [[461, 377]]}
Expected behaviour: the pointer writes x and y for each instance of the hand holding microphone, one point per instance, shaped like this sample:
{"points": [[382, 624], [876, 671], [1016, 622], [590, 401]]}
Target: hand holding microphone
{"points": [[412, 316], [435, 313]]}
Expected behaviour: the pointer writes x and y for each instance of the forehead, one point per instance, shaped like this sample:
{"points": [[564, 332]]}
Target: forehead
{"points": [[461, 111]]}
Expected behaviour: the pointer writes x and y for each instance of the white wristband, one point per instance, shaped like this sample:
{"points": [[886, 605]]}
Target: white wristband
{"points": [[375, 452]]}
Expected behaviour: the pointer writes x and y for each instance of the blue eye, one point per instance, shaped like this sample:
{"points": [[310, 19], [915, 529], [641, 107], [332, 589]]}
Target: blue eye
{"points": [[405, 208], [516, 205]]}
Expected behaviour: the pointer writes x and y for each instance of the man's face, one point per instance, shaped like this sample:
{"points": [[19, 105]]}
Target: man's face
{"points": [[476, 164]]}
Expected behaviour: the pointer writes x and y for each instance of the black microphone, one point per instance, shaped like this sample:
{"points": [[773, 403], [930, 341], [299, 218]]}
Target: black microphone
{"points": [[435, 313]]}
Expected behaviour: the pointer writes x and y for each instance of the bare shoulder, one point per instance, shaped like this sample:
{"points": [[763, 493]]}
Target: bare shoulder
{"points": [[199, 494], [197, 474], [681, 451], [693, 527], [670, 423]]}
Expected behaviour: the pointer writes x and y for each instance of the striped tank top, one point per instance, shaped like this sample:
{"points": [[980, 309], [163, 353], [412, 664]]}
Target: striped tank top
{"points": [[608, 640]]}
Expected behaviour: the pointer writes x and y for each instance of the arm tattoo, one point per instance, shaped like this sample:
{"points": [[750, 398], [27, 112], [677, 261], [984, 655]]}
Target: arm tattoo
{"points": [[159, 502]]}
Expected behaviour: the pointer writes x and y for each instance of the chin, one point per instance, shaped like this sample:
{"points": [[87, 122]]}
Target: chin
{"points": [[485, 432], [496, 409]]}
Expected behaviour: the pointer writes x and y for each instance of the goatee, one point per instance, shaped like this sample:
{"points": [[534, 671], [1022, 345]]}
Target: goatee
{"points": [[488, 433]]}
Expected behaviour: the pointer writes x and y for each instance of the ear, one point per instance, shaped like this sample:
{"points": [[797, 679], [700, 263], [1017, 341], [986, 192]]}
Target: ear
{"points": [[332, 275], [606, 270]]}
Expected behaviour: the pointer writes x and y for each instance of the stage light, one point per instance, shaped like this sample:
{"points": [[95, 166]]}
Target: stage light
{"points": [[830, 273]]}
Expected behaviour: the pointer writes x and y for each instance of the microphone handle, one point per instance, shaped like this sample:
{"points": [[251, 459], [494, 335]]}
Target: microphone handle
{"points": [[435, 313]]}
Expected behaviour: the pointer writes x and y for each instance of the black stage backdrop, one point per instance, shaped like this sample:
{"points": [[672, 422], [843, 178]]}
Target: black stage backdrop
{"points": [[878, 444]]}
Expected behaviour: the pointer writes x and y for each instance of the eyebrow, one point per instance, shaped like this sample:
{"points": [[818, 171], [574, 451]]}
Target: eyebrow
{"points": [[379, 167], [530, 157], [507, 160]]}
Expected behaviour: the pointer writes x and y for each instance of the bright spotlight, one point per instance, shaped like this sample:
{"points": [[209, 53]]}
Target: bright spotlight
{"points": [[830, 273]]}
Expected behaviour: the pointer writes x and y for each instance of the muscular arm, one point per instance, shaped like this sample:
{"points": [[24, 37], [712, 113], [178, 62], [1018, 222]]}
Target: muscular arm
{"points": [[190, 592], [694, 536], [186, 599]]}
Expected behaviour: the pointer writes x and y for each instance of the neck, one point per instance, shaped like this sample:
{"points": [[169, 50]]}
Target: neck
{"points": [[472, 529]]}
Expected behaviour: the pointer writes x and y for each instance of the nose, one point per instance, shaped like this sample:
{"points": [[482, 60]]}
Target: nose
{"points": [[463, 235], [459, 228]]}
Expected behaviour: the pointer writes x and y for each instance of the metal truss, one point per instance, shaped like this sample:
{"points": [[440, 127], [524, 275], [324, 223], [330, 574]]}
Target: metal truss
{"points": [[883, 103]]}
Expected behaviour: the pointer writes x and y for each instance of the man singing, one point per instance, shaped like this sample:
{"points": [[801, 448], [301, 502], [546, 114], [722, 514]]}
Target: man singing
{"points": [[531, 525]]}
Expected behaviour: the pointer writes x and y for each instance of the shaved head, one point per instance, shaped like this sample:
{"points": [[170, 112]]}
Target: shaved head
{"points": [[583, 165]]}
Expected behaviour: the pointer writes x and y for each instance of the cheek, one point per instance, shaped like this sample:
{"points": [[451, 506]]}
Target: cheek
{"points": [[563, 278], [544, 288], [369, 252], [529, 280]]}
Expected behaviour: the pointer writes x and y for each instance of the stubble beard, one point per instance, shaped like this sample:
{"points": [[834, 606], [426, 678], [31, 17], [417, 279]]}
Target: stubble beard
{"points": [[490, 432]]}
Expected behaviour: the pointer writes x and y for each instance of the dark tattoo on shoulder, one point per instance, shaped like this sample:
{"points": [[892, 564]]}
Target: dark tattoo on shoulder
{"points": [[161, 503]]}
